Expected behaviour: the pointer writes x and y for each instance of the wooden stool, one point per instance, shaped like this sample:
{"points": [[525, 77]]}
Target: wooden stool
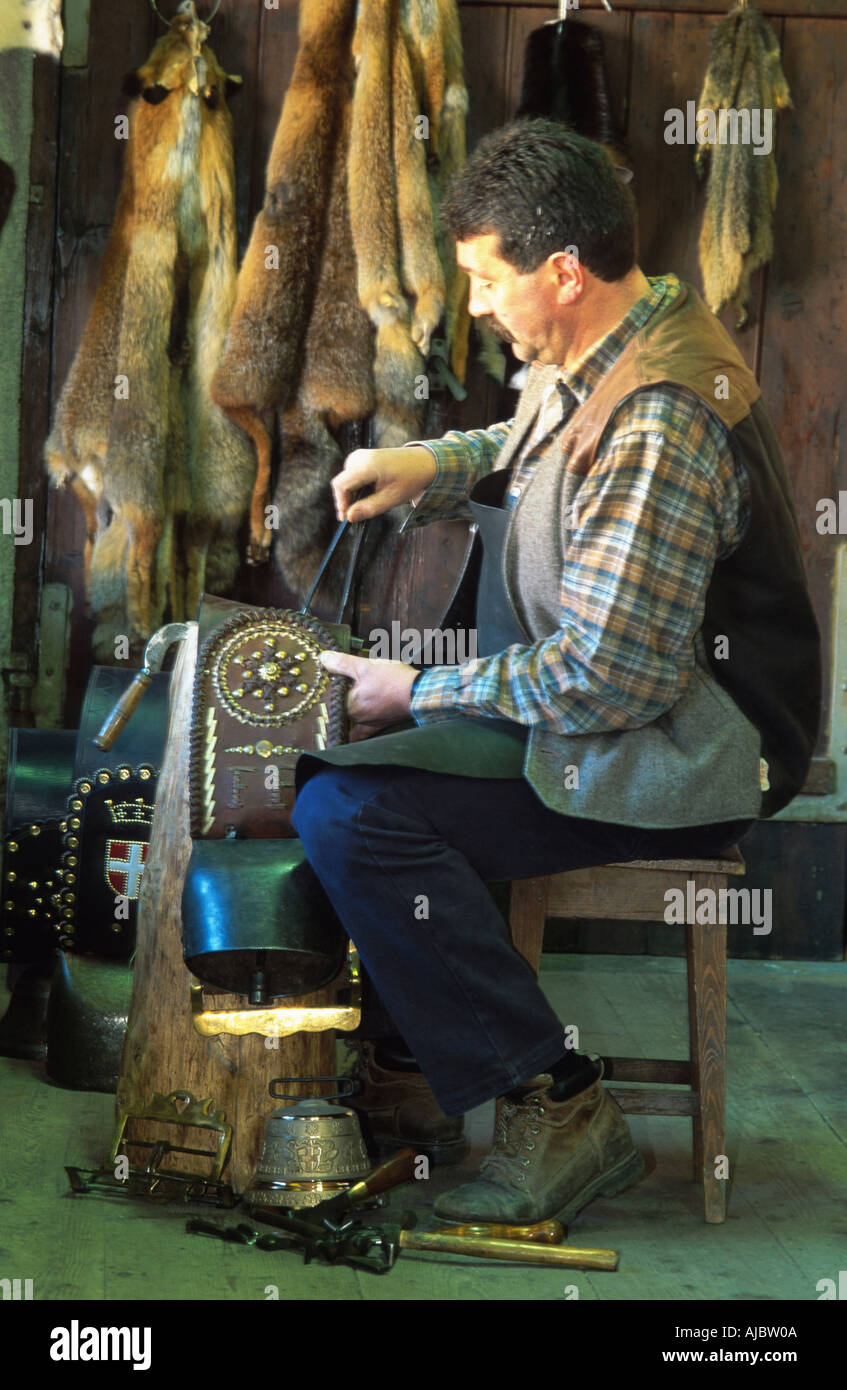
{"points": [[637, 891]]}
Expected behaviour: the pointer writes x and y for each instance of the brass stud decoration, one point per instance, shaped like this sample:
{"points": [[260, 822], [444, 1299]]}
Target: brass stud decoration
{"points": [[259, 685]]}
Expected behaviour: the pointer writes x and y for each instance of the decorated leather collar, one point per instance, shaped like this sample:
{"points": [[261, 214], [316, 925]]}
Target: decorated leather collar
{"points": [[261, 698]]}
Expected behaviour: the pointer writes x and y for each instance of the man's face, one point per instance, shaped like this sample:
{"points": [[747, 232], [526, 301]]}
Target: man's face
{"points": [[524, 310]]}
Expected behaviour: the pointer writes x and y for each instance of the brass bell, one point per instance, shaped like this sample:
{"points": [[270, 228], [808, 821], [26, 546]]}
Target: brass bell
{"points": [[312, 1149]]}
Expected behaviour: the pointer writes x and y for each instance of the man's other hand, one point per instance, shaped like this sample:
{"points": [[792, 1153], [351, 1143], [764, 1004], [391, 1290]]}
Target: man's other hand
{"points": [[381, 691], [397, 475]]}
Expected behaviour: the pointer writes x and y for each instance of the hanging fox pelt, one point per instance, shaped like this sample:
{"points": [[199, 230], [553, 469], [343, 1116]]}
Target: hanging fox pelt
{"points": [[744, 79], [409, 63], [263, 360], [336, 385], [350, 182], [160, 471]]}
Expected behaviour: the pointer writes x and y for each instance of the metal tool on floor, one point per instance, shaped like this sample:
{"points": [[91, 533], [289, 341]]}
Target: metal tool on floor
{"points": [[376, 1248], [369, 1248], [118, 1177], [154, 1185]]}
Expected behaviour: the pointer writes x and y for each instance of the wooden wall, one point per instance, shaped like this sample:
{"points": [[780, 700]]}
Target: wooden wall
{"points": [[656, 57]]}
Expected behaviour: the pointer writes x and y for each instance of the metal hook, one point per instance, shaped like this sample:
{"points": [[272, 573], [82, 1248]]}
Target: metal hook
{"points": [[158, 12], [169, 22], [566, 5]]}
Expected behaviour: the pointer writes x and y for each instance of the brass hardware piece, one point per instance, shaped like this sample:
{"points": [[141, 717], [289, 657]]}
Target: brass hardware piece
{"points": [[283, 1020]]}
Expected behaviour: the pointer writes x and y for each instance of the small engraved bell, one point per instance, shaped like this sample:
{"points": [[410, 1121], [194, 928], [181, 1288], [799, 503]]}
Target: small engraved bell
{"points": [[312, 1149]]}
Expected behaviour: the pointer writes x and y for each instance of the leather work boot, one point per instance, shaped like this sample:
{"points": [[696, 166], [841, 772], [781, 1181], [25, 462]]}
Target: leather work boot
{"points": [[398, 1111], [550, 1158]]}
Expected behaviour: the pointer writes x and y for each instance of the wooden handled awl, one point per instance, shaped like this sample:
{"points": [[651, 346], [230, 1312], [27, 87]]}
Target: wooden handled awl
{"points": [[117, 720], [154, 655], [520, 1251], [541, 1233]]}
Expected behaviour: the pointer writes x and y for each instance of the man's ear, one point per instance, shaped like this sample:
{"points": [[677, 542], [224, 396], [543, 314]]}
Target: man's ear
{"points": [[566, 259], [569, 272]]}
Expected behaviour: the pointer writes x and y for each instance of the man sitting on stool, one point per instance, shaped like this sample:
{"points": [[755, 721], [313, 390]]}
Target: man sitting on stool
{"points": [[648, 678]]}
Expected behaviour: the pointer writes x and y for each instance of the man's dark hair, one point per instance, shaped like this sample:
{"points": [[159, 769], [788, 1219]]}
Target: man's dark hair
{"points": [[541, 188]]}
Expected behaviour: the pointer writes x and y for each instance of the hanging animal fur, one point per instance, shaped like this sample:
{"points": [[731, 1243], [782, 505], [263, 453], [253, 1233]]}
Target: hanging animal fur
{"points": [[564, 79], [263, 360], [340, 326], [136, 434], [744, 78], [336, 386], [408, 51]]}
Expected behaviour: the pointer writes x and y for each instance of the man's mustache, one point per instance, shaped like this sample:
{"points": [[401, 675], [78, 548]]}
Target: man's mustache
{"points": [[498, 330]]}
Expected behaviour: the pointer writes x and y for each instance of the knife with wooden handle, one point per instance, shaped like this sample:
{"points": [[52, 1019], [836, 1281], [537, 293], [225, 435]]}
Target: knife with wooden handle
{"points": [[154, 655]]}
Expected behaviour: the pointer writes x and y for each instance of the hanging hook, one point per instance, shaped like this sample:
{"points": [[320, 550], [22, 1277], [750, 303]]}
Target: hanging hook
{"points": [[169, 22], [566, 5]]}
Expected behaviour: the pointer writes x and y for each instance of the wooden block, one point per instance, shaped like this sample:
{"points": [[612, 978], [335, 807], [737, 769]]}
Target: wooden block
{"points": [[527, 914], [655, 1102], [660, 1069], [162, 1051]]}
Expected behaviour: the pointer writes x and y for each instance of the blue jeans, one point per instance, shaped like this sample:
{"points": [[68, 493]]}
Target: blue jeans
{"points": [[404, 856]]}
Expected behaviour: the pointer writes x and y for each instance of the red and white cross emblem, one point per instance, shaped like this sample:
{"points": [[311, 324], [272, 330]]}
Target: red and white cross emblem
{"points": [[125, 860]]}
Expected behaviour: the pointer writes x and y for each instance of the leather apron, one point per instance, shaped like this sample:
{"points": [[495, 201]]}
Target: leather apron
{"points": [[466, 746]]}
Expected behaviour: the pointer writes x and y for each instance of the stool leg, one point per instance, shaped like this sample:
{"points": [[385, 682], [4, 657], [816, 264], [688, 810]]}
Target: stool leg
{"points": [[527, 910], [706, 953]]}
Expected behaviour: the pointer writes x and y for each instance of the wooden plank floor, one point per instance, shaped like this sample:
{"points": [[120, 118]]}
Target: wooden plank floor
{"points": [[787, 1148]]}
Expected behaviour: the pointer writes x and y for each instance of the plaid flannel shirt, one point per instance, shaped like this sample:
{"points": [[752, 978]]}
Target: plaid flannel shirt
{"points": [[665, 500]]}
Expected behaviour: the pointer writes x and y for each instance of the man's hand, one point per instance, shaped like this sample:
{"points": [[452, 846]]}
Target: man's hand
{"points": [[381, 690], [397, 475]]}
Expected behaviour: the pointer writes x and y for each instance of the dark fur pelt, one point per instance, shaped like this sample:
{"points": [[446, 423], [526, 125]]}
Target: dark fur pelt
{"points": [[565, 79], [736, 238], [336, 386], [310, 459]]}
